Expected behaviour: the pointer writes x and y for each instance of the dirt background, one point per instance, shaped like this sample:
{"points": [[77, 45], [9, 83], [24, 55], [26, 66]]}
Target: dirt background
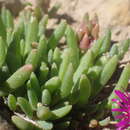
{"points": [[114, 14]]}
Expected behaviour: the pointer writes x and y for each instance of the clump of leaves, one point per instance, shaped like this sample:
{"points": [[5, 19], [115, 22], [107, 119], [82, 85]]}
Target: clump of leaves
{"points": [[48, 88]]}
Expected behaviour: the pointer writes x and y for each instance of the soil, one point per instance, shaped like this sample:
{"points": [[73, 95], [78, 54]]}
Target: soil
{"points": [[112, 14]]}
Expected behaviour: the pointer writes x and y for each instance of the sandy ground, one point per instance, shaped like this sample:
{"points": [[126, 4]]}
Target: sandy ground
{"points": [[112, 13]]}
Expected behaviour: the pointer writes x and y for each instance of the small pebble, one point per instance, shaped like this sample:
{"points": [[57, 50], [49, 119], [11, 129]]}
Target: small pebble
{"points": [[93, 123]]}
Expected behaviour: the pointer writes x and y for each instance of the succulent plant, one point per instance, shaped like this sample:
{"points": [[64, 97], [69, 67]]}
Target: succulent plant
{"points": [[47, 87], [88, 31]]}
